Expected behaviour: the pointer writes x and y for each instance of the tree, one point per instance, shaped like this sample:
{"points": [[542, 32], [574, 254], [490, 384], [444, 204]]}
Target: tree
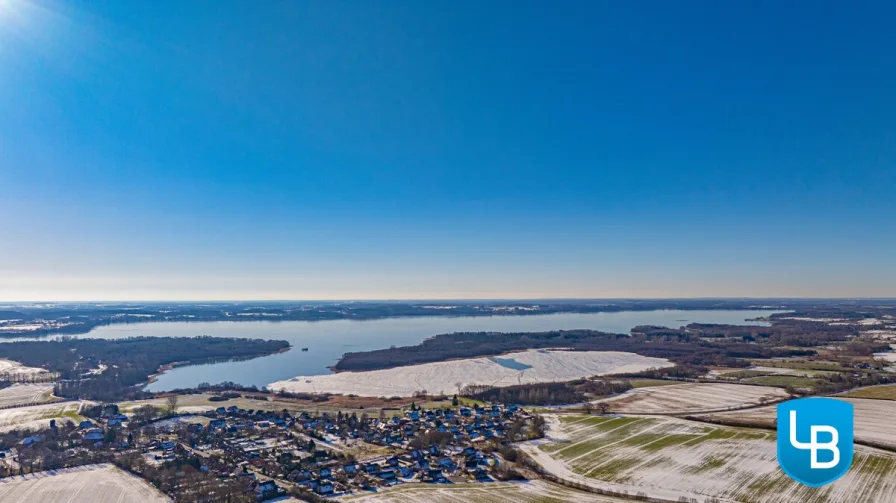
{"points": [[144, 414], [454, 401], [172, 403], [602, 408]]}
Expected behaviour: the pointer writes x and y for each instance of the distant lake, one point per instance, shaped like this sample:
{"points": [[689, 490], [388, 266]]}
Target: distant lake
{"points": [[328, 340]]}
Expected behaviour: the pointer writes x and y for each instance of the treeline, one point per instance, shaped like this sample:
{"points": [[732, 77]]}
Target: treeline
{"points": [[526, 394], [126, 363], [556, 393], [678, 345], [472, 344]]}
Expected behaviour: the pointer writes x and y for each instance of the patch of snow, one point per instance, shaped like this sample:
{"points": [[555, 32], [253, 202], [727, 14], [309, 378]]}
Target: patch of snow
{"points": [[447, 377]]}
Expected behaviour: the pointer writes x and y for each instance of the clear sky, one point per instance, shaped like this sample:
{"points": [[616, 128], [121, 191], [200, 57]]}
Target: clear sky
{"points": [[446, 149]]}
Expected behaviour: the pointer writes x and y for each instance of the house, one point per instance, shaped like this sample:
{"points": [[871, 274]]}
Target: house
{"points": [[167, 446], [435, 475], [325, 473], [350, 469], [217, 423], [83, 425], [94, 434], [482, 476], [323, 488], [387, 475], [266, 489], [31, 440], [221, 410], [299, 476]]}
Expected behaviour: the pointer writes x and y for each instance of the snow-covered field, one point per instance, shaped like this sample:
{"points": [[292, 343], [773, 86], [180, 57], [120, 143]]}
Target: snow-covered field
{"points": [[534, 491], [692, 397], [886, 335], [536, 365], [874, 419], [11, 367], [672, 459], [38, 416], [86, 484], [890, 357], [24, 394]]}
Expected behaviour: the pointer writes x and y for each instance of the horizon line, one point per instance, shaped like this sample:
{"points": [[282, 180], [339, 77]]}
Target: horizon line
{"points": [[448, 299]]}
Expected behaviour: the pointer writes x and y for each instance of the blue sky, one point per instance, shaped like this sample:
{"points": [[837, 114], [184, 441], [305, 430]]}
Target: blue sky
{"points": [[386, 149]]}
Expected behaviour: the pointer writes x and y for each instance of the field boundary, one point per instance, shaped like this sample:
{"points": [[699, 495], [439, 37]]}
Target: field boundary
{"points": [[743, 423]]}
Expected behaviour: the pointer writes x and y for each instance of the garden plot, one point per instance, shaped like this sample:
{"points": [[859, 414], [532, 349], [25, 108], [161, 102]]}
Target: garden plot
{"points": [[25, 394], [534, 491], [874, 419], [38, 416], [675, 459], [86, 484], [692, 397]]}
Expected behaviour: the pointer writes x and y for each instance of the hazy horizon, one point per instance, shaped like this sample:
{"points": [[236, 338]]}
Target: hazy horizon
{"points": [[338, 150], [546, 300]]}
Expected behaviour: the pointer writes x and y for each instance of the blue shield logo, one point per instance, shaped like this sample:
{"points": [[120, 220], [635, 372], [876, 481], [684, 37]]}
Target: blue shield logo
{"points": [[815, 439]]}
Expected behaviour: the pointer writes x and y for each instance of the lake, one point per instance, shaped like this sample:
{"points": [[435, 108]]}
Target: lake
{"points": [[328, 340]]}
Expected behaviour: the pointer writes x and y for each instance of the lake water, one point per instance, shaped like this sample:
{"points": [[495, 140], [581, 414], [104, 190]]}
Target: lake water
{"points": [[328, 340]]}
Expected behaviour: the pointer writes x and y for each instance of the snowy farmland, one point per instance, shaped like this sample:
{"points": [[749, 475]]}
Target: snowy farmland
{"points": [[672, 459], [874, 421], [534, 491], [536, 365], [86, 484], [693, 397], [38, 416], [25, 394], [11, 367]]}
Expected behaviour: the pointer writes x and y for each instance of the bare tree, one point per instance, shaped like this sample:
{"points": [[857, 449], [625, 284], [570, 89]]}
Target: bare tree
{"points": [[172, 403]]}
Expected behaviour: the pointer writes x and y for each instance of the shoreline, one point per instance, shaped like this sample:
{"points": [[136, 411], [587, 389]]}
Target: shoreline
{"points": [[87, 328], [173, 365]]}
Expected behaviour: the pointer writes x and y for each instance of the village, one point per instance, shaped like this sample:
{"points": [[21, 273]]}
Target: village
{"points": [[266, 454]]}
